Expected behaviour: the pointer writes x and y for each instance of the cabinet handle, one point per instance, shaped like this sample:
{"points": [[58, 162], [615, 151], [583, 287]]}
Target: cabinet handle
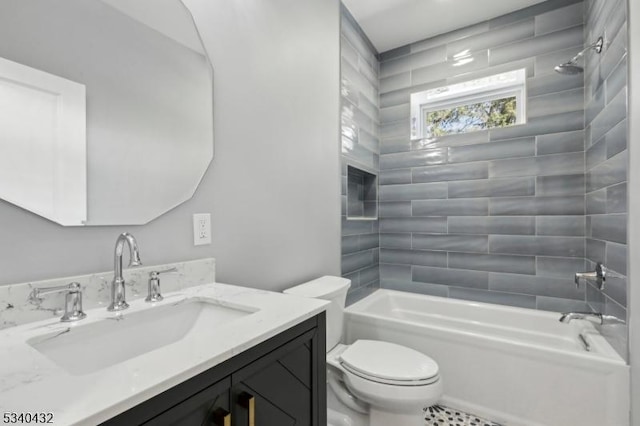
{"points": [[248, 402], [221, 417]]}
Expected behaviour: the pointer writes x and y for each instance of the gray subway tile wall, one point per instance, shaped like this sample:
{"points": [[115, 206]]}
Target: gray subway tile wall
{"points": [[493, 262], [492, 187], [560, 142], [543, 84], [395, 209], [536, 10], [558, 19], [497, 150], [552, 287], [452, 172], [360, 142], [419, 191], [566, 226], [497, 215], [514, 225], [456, 277], [538, 205], [606, 152]]}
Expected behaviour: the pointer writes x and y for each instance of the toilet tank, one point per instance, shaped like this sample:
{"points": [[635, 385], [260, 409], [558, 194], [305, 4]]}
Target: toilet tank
{"points": [[333, 289]]}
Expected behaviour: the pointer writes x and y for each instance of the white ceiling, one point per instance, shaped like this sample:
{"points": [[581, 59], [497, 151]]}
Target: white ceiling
{"points": [[394, 23]]}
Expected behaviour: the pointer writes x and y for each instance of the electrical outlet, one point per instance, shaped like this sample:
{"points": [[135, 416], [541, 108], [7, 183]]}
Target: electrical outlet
{"points": [[201, 229]]}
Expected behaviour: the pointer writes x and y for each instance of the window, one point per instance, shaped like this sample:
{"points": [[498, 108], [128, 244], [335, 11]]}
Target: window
{"points": [[485, 103]]}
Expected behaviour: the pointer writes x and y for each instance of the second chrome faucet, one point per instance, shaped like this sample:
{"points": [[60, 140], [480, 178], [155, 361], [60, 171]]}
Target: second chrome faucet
{"points": [[118, 297]]}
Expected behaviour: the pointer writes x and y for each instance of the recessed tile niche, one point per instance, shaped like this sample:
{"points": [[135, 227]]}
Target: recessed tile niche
{"points": [[362, 194]]}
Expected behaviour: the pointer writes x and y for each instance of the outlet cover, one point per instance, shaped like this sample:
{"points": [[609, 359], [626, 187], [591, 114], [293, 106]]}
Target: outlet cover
{"points": [[201, 229]]}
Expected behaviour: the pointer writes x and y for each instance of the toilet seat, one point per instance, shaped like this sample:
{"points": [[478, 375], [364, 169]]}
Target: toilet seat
{"points": [[389, 363]]}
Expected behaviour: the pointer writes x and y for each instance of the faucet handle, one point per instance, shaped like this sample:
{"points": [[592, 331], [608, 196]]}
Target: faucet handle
{"points": [[73, 299], [599, 276], [154, 274], [154, 284], [73, 304], [36, 294]]}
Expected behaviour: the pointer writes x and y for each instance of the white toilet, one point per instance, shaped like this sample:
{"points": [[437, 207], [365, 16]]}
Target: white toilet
{"points": [[389, 382]]}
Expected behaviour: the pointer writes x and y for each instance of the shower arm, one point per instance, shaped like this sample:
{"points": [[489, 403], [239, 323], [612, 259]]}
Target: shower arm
{"points": [[597, 46]]}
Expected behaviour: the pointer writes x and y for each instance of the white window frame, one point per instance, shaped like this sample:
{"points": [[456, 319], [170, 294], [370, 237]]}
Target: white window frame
{"points": [[498, 86]]}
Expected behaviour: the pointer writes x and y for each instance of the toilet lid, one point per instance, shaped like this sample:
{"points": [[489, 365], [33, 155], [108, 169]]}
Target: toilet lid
{"points": [[388, 361]]}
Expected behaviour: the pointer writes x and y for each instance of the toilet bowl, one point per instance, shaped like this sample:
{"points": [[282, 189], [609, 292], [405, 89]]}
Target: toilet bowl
{"points": [[389, 382], [335, 418]]}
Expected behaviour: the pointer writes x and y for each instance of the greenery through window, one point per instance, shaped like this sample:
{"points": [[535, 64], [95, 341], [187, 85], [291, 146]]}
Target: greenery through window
{"points": [[489, 102], [471, 117]]}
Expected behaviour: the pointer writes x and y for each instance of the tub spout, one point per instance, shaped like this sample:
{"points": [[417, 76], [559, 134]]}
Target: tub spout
{"points": [[596, 317]]}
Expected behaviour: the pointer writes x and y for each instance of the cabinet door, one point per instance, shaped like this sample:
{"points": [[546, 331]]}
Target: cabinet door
{"points": [[209, 407], [277, 389]]}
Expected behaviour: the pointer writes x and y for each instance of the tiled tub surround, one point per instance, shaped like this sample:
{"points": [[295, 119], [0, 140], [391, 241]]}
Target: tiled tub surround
{"points": [[495, 216], [606, 157], [16, 308], [360, 148]]}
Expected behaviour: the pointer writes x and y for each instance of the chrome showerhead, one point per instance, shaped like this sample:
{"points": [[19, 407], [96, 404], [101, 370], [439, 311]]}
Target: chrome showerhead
{"points": [[569, 68], [572, 67]]}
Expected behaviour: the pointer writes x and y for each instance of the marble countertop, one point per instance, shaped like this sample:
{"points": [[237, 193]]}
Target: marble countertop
{"points": [[30, 382]]}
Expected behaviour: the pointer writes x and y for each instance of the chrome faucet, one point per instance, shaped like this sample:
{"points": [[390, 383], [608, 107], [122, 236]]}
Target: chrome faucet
{"points": [[118, 300], [596, 317], [599, 276]]}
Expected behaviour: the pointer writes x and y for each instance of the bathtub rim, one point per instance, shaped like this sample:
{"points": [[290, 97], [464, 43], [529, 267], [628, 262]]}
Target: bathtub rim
{"points": [[605, 352]]}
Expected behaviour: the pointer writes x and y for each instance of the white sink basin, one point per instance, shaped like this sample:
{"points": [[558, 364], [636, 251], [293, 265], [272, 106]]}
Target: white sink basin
{"points": [[83, 349]]}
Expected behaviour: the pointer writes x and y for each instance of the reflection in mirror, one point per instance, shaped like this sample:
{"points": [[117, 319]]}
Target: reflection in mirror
{"points": [[489, 102], [43, 143], [149, 108]]}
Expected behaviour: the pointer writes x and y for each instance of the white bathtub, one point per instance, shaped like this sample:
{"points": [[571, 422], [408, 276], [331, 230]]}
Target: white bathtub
{"points": [[512, 365]]}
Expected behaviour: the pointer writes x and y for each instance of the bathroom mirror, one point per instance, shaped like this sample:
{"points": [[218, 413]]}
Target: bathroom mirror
{"points": [[107, 109]]}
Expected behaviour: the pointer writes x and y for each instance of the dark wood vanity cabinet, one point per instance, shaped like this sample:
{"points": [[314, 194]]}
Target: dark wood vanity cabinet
{"points": [[279, 382]]}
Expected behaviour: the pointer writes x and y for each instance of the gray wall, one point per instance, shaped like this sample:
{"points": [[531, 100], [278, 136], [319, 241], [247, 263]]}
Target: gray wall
{"points": [[606, 159], [494, 216], [273, 186], [359, 119], [634, 209]]}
